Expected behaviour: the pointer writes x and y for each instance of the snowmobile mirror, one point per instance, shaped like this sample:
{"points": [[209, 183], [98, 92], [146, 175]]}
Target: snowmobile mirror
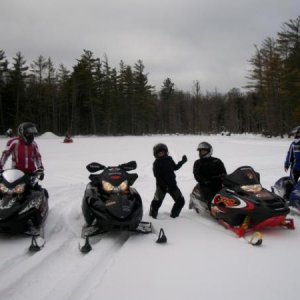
{"points": [[132, 165], [94, 167]]}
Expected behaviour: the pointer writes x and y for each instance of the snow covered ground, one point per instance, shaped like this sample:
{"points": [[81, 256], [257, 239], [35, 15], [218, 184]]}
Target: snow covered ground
{"points": [[201, 260]]}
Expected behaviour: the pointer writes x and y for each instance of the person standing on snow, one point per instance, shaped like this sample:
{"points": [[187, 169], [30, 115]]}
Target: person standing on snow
{"points": [[208, 171], [292, 160], [163, 169], [24, 150]]}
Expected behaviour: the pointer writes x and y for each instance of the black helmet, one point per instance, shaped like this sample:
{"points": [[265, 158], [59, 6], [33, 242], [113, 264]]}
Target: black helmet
{"points": [[159, 148], [27, 131], [205, 150], [9, 132]]}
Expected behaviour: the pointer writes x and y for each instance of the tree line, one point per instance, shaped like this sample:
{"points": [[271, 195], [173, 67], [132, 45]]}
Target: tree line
{"points": [[95, 98]]}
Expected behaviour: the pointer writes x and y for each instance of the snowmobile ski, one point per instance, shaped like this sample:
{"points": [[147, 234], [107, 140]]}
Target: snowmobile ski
{"points": [[147, 227], [86, 233], [144, 227], [89, 232], [37, 243], [37, 238], [255, 239]]}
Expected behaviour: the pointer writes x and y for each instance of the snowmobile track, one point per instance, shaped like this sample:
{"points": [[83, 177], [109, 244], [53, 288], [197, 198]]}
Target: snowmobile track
{"points": [[87, 272]]}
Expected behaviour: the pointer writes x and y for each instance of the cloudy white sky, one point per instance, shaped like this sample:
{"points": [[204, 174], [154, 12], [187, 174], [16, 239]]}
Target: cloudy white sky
{"points": [[186, 40]]}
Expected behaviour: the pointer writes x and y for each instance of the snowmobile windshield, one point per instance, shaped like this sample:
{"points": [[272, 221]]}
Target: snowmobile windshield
{"points": [[252, 188], [12, 175], [243, 176]]}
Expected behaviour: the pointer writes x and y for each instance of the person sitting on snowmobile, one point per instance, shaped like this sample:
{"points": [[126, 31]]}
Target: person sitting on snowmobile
{"points": [[163, 169], [292, 160], [208, 171], [24, 151]]}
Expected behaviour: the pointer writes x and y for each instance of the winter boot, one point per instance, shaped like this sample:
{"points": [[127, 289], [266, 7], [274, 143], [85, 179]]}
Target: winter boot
{"points": [[153, 212]]}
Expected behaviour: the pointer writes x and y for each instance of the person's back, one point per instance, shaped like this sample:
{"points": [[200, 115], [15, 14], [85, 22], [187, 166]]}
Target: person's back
{"points": [[208, 172], [163, 169]]}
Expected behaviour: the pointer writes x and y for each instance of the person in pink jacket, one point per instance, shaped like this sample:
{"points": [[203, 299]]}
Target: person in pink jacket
{"points": [[23, 150]]}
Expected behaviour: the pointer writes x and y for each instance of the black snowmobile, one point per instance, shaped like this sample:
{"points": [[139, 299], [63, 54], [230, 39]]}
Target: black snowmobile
{"points": [[110, 203], [23, 209], [243, 205]]}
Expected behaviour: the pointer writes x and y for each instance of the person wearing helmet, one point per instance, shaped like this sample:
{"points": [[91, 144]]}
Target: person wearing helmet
{"points": [[292, 160], [9, 133], [208, 172], [163, 169], [24, 150]]}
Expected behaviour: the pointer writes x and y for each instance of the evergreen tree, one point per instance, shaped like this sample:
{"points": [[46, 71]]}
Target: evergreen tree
{"points": [[3, 75], [16, 90]]}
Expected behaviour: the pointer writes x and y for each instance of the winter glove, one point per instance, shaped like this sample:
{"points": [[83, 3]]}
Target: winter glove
{"points": [[42, 176], [184, 159]]}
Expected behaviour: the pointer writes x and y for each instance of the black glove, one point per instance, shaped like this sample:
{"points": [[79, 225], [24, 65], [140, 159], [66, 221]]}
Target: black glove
{"points": [[42, 176], [184, 159]]}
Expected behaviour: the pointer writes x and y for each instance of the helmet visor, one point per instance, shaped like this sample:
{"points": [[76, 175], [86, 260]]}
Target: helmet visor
{"points": [[31, 130]]}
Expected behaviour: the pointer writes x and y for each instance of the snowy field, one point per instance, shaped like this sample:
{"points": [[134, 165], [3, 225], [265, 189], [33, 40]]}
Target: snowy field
{"points": [[201, 260]]}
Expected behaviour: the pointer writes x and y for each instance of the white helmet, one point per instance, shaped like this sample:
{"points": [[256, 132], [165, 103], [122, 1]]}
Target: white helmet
{"points": [[205, 150]]}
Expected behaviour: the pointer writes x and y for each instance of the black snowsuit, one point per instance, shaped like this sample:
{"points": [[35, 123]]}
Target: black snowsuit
{"points": [[208, 172], [163, 169]]}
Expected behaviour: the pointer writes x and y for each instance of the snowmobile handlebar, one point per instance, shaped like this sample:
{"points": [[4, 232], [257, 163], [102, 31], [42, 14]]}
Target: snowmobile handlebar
{"points": [[95, 167]]}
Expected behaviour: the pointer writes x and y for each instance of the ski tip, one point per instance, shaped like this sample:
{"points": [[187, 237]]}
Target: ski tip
{"points": [[37, 243], [162, 239], [86, 248], [256, 239]]}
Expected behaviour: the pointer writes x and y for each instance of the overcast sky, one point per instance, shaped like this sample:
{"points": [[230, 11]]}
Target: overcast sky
{"points": [[186, 40]]}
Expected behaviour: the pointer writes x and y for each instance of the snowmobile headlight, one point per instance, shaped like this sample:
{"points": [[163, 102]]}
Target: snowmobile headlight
{"points": [[253, 188], [3, 188], [123, 186], [107, 187], [19, 189]]}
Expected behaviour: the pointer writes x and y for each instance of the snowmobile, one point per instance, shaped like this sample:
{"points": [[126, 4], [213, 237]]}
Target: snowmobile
{"points": [[286, 188], [23, 209], [110, 203], [243, 205]]}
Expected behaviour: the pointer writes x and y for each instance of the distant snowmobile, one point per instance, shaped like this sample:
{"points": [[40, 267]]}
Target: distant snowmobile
{"points": [[68, 140], [288, 190], [22, 208], [110, 203], [243, 205]]}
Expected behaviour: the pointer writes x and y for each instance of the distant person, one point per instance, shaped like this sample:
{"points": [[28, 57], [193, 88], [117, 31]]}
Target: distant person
{"points": [[9, 133], [68, 139], [292, 160], [163, 169], [23, 150], [208, 171]]}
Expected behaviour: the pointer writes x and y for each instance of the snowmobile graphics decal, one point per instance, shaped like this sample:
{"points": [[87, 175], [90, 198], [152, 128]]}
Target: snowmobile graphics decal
{"points": [[234, 202], [110, 203], [8, 205], [34, 203]]}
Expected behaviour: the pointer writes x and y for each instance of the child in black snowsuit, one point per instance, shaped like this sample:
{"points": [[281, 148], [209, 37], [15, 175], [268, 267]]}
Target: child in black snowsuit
{"points": [[163, 169]]}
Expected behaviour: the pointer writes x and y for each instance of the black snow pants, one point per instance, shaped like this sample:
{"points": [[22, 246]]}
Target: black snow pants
{"points": [[159, 196]]}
